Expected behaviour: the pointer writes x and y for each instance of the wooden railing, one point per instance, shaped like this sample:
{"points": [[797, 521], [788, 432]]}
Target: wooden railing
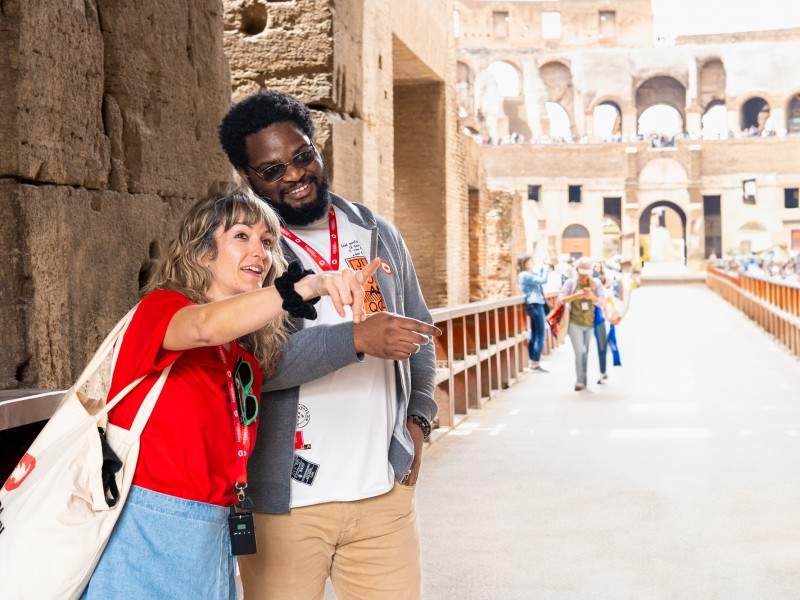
{"points": [[774, 305], [483, 348]]}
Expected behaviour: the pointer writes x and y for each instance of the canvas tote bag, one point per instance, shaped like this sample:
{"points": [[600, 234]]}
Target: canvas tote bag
{"points": [[55, 516]]}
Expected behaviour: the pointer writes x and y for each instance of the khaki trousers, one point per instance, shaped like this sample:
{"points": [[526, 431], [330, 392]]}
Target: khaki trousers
{"points": [[369, 549]]}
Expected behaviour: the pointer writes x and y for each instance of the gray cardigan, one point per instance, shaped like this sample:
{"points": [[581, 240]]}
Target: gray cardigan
{"points": [[317, 351]]}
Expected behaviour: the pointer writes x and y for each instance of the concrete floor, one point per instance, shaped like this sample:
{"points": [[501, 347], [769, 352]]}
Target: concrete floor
{"points": [[679, 479]]}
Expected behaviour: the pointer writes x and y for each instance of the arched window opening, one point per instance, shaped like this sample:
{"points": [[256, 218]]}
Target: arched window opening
{"points": [[793, 115], [753, 237], [715, 121], [662, 233], [755, 116], [607, 122], [560, 129], [507, 78], [575, 241], [661, 124]]}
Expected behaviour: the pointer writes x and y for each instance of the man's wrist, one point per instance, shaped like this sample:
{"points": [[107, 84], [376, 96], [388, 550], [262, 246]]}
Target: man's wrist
{"points": [[423, 424], [357, 341]]}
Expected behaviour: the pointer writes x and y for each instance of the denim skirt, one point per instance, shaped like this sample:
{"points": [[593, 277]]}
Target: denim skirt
{"points": [[166, 547]]}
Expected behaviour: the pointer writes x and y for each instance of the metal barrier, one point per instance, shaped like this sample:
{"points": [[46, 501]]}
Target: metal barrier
{"points": [[483, 348], [773, 304]]}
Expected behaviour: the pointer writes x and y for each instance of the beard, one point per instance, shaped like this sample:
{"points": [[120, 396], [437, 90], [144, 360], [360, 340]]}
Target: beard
{"points": [[309, 211]]}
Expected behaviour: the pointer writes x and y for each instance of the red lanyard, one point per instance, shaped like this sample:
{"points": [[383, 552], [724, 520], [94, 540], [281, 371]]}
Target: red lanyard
{"points": [[243, 440], [315, 256]]}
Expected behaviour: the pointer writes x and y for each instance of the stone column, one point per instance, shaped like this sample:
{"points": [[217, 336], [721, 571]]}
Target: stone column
{"points": [[629, 124], [695, 162], [734, 122], [694, 124], [778, 117]]}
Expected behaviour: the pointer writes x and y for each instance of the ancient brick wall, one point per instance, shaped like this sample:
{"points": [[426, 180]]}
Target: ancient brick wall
{"points": [[108, 133], [505, 242]]}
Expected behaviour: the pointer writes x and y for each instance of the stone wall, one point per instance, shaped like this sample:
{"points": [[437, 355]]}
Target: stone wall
{"points": [[108, 134]]}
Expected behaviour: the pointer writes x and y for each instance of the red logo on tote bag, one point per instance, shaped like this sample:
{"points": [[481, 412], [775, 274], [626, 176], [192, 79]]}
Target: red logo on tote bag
{"points": [[20, 473]]}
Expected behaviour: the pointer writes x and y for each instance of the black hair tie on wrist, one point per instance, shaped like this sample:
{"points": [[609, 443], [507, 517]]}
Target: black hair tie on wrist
{"points": [[293, 302]]}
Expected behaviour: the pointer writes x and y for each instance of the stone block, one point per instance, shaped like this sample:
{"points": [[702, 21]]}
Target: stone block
{"points": [[51, 68], [76, 273], [311, 88], [13, 290], [278, 38]]}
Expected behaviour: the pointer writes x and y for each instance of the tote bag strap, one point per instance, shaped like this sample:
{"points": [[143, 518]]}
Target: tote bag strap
{"points": [[107, 346], [146, 408], [149, 403]]}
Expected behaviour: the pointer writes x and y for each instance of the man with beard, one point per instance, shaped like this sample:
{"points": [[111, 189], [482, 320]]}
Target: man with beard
{"points": [[345, 413]]}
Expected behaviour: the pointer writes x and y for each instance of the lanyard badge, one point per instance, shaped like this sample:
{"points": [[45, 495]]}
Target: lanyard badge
{"points": [[244, 410]]}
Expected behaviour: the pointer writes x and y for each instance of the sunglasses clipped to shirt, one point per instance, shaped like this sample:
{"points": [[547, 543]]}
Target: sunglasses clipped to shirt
{"points": [[276, 171], [246, 401]]}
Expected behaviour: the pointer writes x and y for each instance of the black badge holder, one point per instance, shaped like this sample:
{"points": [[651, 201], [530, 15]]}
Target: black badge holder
{"points": [[242, 529]]}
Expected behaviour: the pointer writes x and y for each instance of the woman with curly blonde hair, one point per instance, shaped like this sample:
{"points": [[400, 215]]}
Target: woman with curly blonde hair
{"points": [[208, 316]]}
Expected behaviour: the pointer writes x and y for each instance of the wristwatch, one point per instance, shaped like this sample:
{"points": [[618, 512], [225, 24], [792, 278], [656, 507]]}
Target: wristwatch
{"points": [[423, 424]]}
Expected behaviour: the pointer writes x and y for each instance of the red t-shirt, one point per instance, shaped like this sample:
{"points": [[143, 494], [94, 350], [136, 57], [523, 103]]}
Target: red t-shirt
{"points": [[188, 448]]}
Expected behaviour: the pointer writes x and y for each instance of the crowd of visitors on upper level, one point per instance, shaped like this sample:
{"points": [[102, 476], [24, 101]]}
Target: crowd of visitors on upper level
{"points": [[656, 140], [775, 264]]}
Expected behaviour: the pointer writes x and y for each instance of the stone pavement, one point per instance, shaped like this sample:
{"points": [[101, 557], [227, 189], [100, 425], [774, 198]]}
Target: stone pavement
{"points": [[679, 479]]}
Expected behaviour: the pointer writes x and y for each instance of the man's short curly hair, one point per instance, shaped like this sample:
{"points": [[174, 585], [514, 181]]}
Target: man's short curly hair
{"points": [[256, 112]]}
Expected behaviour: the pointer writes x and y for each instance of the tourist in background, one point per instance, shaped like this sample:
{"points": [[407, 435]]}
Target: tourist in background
{"points": [[531, 279], [600, 325], [581, 294]]}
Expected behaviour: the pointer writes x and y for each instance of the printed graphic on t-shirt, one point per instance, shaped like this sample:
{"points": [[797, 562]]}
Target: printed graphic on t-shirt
{"points": [[303, 416], [304, 471], [373, 298]]}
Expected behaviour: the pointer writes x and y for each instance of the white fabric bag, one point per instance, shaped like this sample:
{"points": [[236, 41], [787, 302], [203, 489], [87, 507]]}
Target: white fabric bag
{"points": [[53, 509]]}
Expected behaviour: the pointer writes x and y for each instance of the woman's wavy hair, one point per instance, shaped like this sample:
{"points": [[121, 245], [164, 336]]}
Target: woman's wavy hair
{"points": [[182, 270]]}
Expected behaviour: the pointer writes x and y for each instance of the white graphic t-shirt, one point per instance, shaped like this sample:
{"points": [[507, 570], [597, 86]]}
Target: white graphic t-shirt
{"points": [[345, 419]]}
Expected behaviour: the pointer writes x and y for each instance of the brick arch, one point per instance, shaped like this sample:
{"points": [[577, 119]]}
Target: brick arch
{"points": [[741, 109], [646, 98], [558, 81], [679, 77], [553, 78], [741, 99], [665, 160], [576, 240], [575, 231], [644, 221], [709, 93], [606, 99], [514, 65], [564, 62], [614, 101], [711, 104]]}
